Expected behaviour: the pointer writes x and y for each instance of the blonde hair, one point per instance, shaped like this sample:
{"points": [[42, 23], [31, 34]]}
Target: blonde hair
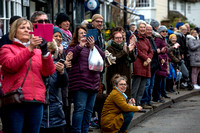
{"points": [[192, 31], [183, 27], [15, 26]]}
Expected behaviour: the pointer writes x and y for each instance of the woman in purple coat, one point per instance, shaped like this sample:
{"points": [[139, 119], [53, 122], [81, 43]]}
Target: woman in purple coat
{"points": [[83, 83], [161, 75]]}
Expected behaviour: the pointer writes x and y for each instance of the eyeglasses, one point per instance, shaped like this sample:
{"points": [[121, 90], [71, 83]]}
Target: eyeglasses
{"points": [[42, 21], [164, 31], [81, 33], [122, 84], [118, 38], [98, 21]]}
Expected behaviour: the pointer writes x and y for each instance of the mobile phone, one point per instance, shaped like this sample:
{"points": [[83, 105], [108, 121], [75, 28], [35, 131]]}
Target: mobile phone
{"points": [[92, 32], [43, 30], [62, 61]]}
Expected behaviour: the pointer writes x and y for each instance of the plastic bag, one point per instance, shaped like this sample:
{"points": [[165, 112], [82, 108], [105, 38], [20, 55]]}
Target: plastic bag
{"points": [[95, 61]]}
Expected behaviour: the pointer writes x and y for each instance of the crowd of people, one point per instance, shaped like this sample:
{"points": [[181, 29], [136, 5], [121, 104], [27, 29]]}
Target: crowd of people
{"points": [[141, 66]]}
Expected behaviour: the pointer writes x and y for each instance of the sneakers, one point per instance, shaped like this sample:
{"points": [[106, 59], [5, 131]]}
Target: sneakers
{"points": [[93, 125], [184, 85], [196, 87]]}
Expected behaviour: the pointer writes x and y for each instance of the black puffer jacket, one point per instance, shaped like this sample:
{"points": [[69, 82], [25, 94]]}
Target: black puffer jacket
{"points": [[54, 84], [155, 62]]}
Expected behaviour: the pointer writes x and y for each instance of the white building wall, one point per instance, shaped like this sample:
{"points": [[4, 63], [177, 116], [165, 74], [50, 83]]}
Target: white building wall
{"points": [[158, 10], [161, 9], [192, 15]]}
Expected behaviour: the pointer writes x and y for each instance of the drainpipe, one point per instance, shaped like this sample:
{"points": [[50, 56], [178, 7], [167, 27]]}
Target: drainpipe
{"points": [[125, 15]]}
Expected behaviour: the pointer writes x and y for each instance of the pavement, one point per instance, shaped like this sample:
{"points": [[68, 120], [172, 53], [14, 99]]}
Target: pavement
{"points": [[174, 98]]}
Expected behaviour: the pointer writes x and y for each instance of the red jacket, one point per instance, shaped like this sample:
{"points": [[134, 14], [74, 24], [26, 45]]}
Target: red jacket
{"points": [[144, 51], [15, 61]]}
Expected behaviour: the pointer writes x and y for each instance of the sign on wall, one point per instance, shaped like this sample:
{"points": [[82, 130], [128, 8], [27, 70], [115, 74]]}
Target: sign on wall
{"points": [[91, 4]]}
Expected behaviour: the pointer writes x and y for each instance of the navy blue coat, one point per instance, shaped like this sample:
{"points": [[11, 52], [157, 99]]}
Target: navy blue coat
{"points": [[54, 84]]}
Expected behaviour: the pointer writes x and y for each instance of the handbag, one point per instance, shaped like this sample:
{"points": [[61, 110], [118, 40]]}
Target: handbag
{"points": [[16, 96]]}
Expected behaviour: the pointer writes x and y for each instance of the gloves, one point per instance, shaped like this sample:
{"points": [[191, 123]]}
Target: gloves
{"points": [[43, 47], [109, 58]]}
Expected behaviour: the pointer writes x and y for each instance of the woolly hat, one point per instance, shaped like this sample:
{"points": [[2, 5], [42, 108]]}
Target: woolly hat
{"points": [[170, 37], [13, 18], [56, 29], [61, 18], [162, 28], [197, 29], [154, 23], [95, 16]]}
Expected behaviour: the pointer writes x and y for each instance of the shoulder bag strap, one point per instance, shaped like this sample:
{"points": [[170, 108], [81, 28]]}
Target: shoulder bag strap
{"points": [[27, 72]]}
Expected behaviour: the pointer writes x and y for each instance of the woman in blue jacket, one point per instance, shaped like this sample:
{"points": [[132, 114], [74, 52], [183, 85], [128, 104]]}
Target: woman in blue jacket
{"points": [[53, 116]]}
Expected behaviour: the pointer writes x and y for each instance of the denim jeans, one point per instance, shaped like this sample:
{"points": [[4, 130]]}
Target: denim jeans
{"points": [[24, 118], [127, 120], [148, 89], [178, 76], [83, 108]]}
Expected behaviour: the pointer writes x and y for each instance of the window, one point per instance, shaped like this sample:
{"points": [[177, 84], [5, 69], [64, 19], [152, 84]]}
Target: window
{"points": [[1, 8], [142, 3], [189, 8], [174, 5], [182, 7], [9, 8], [152, 3]]}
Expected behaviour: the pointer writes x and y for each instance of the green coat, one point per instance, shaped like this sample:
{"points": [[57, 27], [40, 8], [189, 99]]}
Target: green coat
{"points": [[111, 116]]}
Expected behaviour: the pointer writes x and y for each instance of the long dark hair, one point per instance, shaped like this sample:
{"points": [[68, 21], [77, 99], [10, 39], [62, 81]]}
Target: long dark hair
{"points": [[74, 41]]}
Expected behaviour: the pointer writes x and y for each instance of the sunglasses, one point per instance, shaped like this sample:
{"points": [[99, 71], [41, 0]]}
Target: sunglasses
{"points": [[43, 21], [164, 31]]}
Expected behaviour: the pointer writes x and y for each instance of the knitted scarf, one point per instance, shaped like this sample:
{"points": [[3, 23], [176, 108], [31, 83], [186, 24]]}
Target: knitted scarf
{"points": [[121, 92], [120, 47]]}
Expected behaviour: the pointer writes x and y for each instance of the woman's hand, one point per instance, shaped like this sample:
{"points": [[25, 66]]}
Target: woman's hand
{"points": [[91, 42], [59, 67], [69, 57], [132, 101], [148, 60], [132, 43], [139, 107], [68, 63], [162, 61], [158, 51], [176, 45], [125, 47], [34, 41], [145, 63], [163, 50], [131, 47]]}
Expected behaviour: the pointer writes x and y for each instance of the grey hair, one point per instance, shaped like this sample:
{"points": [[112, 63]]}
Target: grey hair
{"points": [[140, 22], [35, 15], [118, 79]]}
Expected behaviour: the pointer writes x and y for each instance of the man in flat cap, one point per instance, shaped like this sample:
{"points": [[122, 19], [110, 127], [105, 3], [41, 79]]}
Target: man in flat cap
{"points": [[97, 23]]}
